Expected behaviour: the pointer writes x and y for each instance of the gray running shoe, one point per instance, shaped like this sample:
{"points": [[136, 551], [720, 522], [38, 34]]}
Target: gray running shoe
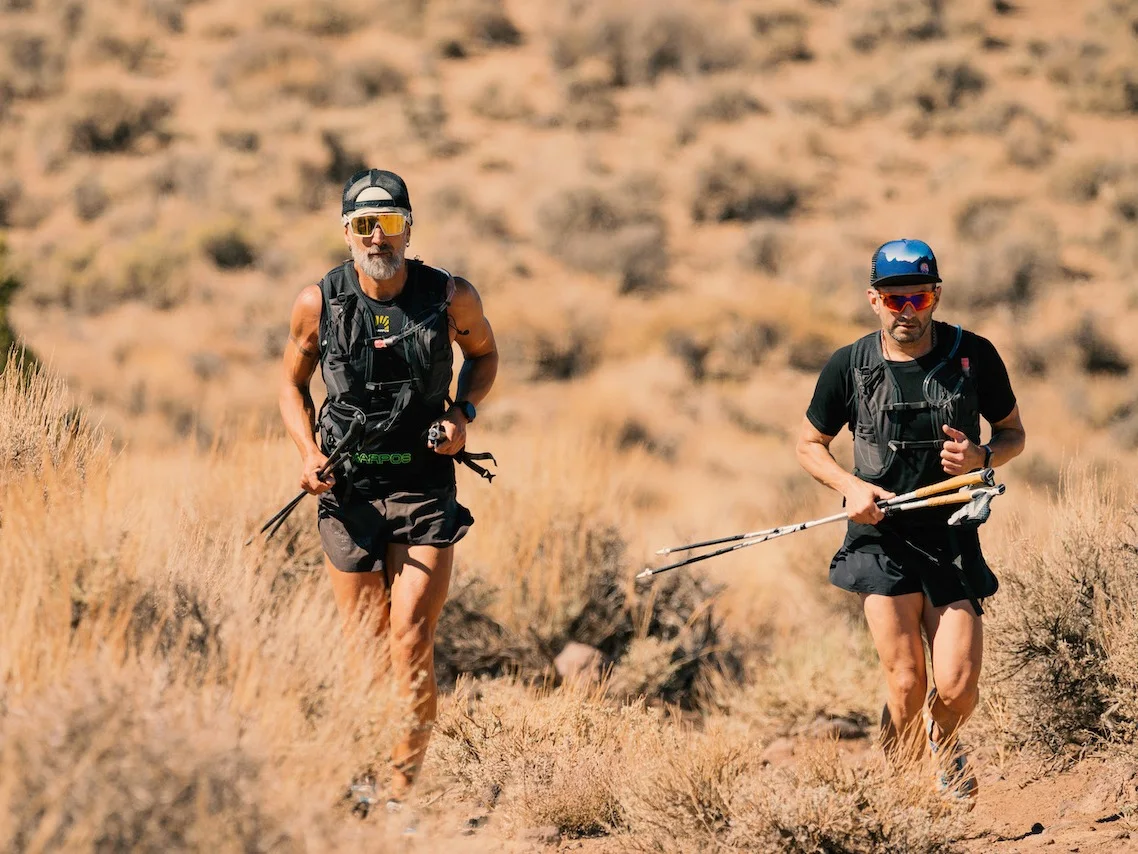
{"points": [[954, 777]]}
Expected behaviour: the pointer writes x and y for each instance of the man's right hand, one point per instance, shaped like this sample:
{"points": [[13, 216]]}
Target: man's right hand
{"points": [[309, 480], [861, 501]]}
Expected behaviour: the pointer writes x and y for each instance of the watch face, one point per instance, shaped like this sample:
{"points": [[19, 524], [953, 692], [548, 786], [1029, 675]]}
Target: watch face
{"points": [[467, 409]]}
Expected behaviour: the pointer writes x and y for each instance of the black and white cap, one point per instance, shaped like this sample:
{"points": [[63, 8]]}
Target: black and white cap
{"points": [[375, 191]]}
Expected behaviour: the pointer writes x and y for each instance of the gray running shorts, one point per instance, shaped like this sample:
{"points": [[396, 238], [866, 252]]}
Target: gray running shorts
{"points": [[355, 534]]}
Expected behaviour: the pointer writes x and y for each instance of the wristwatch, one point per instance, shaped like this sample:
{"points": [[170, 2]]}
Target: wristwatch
{"points": [[987, 455], [466, 408]]}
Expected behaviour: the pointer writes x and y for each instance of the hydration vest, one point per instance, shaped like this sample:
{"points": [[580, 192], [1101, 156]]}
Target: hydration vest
{"points": [[948, 389], [350, 345]]}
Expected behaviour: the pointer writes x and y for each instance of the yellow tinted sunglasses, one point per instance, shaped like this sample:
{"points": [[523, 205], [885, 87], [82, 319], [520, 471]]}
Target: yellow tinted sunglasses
{"points": [[390, 224]]}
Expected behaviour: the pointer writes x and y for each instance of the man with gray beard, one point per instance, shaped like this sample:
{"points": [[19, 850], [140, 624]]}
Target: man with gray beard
{"points": [[381, 330]]}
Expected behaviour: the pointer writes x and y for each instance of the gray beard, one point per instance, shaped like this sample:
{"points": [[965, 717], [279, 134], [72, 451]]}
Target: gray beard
{"points": [[376, 266]]}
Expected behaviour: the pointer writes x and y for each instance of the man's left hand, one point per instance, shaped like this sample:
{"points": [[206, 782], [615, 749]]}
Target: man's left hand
{"points": [[453, 425], [959, 455]]}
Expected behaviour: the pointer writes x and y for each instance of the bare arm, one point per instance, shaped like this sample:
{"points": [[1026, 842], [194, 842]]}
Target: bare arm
{"points": [[479, 365], [813, 451], [960, 455], [301, 356]]}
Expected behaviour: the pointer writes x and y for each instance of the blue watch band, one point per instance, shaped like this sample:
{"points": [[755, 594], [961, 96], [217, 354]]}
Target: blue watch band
{"points": [[467, 408]]}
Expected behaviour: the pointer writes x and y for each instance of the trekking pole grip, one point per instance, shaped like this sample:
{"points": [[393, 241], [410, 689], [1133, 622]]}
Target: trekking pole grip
{"points": [[982, 477]]}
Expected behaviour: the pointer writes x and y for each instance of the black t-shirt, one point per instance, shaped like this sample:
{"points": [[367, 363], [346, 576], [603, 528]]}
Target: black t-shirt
{"points": [[834, 405]]}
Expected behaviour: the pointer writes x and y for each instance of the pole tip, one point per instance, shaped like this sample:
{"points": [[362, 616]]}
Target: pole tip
{"points": [[663, 551], [645, 573]]}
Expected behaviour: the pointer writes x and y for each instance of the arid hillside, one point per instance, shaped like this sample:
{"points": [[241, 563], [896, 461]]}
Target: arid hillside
{"points": [[669, 210], [668, 207]]}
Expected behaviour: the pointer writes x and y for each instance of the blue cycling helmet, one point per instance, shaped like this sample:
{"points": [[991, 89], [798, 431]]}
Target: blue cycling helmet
{"points": [[903, 262]]}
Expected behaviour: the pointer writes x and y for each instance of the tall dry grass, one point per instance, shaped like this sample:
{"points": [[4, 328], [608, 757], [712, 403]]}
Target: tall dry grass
{"points": [[1062, 631], [163, 687]]}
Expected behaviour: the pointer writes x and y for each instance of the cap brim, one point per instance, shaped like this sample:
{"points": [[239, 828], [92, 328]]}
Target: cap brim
{"points": [[902, 279], [374, 209]]}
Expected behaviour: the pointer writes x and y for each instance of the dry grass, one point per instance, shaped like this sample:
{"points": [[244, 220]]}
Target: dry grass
{"points": [[1062, 631]]}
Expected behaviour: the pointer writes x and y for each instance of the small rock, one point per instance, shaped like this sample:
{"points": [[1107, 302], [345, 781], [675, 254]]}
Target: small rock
{"points": [[579, 661], [836, 726], [547, 834], [1037, 828]]}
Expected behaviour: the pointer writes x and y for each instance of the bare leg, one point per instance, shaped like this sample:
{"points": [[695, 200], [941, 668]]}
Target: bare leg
{"points": [[956, 636], [420, 578], [895, 624]]}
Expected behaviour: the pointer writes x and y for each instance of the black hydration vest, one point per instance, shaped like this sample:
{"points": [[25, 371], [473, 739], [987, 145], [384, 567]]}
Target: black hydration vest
{"points": [[879, 438], [357, 354]]}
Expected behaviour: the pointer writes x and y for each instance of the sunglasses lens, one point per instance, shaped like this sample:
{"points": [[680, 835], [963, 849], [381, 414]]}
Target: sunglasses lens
{"points": [[390, 224], [919, 301], [364, 225]]}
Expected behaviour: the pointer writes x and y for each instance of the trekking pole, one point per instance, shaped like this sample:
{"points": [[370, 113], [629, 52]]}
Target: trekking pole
{"points": [[978, 499], [343, 450], [983, 477]]}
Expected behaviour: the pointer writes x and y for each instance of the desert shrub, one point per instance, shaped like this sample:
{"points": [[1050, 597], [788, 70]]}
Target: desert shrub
{"points": [[564, 357], [91, 198], [1014, 262], [1062, 632], [371, 78], [228, 247], [638, 44], [780, 36], [11, 191], [1079, 181], [112, 120], [316, 17], [32, 64], [240, 140], [42, 427], [427, 117], [502, 102], [461, 28], [152, 268], [731, 188], [138, 52], [9, 284], [613, 229], [183, 174], [1097, 79], [710, 791], [258, 68], [882, 22], [933, 89], [589, 106], [764, 248], [538, 758], [1029, 143], [981, 216], [728, 350], [1097, 353], [130, 770], [722, 105]]}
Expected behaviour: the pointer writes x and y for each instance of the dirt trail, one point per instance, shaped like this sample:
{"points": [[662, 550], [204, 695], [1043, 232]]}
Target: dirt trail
{"points": [[1021, 809], [1075, 810]]}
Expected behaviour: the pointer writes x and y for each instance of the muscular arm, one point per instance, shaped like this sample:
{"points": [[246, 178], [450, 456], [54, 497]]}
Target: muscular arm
{"points": [[479, 365], [301, 356], [1008, 438], [479, 349], [813, 451]]}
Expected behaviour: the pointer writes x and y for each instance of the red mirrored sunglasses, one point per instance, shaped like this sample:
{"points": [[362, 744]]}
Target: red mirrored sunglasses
{"points": [[896, 302]]}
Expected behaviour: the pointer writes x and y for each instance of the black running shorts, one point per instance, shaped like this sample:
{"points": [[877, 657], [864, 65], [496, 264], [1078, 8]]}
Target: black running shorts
{"points": [[888, 566], [355, 534]]}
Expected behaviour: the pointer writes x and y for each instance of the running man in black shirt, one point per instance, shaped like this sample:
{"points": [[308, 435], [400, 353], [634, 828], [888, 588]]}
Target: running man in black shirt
{"points": [[912, 394]]}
